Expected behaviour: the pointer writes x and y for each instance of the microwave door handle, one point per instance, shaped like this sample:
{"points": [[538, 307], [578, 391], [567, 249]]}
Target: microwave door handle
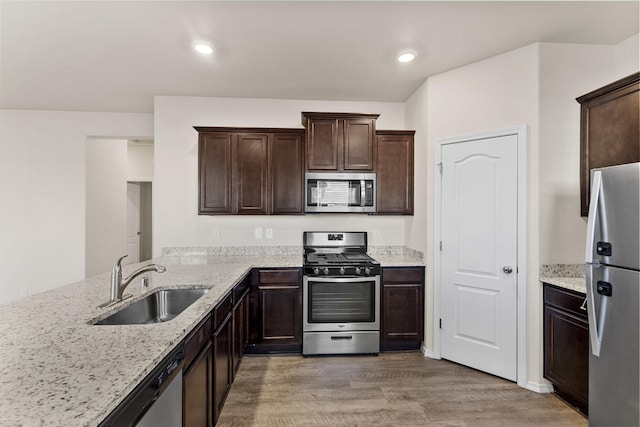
{"points": [[363, 193]]}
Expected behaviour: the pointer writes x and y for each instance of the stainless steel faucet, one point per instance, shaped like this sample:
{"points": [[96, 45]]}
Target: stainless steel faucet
{"points": [[118, 284]]}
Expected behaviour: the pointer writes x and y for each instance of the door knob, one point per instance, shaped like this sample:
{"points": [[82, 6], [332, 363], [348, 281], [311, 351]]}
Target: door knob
{"points": [[507, 269]]}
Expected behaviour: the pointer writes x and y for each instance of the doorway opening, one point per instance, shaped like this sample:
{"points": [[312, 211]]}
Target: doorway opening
{"points": [[113, 166], [139, 229]]}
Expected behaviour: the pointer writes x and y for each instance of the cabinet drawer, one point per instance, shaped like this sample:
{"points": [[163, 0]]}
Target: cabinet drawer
{"points": [[222, 310], [276, 277], [197, 340], [566, 300], [402, 275]]}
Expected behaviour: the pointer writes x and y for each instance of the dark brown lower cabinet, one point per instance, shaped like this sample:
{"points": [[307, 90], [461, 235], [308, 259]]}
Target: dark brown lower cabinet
{"points": [[566, 345], [402, 307], [212, 358], [196, 378], [276, 311], [240, 322], [222, 355], [196, 396]]}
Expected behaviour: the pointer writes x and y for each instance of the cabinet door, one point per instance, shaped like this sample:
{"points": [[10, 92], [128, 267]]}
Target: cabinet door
{"points": [[566, 345], [395, 173], [358, 138], [222, 355], [275, 311], [322, 144], [250, 173], [287, 173], [239, 333], [196, 383], [214, 152], [281, 314], [609, 130], [402, 308]]}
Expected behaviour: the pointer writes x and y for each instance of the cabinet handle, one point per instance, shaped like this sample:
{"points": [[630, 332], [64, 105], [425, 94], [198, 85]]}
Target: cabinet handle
{"points": [[584, 305]]}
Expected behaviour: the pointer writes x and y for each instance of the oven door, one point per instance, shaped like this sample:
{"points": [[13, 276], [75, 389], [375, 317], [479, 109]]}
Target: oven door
{"points": [[341, 304]]}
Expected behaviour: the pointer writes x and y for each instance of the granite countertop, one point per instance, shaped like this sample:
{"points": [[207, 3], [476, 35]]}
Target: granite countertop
{"points": [[568, 276], [577, 284], [58, 369]]}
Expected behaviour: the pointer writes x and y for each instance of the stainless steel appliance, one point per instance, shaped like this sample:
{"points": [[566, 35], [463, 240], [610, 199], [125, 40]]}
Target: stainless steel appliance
{"points": [[340, 192], [613, 282], [341, 295], [157, 400]]}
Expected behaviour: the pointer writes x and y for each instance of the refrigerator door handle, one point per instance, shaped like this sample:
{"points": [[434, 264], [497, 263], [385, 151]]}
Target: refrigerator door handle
{"points": [[596, 321], [594, 332], [593, 212]]}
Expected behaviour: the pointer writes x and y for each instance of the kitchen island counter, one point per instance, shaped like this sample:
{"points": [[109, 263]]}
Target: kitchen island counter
{"points": [[59, 369]]}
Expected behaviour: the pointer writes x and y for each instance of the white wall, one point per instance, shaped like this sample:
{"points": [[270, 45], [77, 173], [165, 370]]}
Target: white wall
{"points": [[420, 225], [495, 93], [535, 86], [567, 71], [106, 204], [175, 193], [42, 171], [626, 57], [140, 161]]}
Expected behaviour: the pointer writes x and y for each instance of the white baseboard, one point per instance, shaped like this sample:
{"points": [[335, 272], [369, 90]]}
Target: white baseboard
{"points": [[539, 388], [427, 353]]}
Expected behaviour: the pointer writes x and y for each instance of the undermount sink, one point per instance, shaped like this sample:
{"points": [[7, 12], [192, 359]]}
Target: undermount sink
{"points": [[157, 307]]}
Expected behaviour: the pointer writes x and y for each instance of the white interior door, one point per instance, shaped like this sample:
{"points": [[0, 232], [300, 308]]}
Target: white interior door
{"points": [[479, 231], [133, 223]]}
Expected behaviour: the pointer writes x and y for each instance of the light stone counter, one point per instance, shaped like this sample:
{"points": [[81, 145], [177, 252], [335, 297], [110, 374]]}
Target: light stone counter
{"points": [[568, 276], [577, 284], [58, 369]]}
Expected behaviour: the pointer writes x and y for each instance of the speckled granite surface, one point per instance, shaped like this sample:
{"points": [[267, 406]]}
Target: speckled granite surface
{"points": [[57, 369], [568, 276]]}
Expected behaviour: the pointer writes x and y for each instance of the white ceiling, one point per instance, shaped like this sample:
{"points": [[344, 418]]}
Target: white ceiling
{"points": [[115, 56]]}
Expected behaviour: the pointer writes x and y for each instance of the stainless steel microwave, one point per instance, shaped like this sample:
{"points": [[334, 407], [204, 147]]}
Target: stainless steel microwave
{"points": [[335, 192]]}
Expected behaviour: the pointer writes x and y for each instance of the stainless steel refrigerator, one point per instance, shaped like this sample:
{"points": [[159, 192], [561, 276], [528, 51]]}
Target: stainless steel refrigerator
{"points": [[613, 283]]}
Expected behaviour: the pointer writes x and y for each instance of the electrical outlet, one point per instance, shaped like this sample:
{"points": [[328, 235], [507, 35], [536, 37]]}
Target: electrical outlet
{"points": [[269, 233], [24, 292], [215, 233], [258, 232], [376, 233]]}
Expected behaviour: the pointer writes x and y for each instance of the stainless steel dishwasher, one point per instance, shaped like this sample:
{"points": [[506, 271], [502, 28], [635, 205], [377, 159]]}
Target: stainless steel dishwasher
{"points": [[157, 400]]}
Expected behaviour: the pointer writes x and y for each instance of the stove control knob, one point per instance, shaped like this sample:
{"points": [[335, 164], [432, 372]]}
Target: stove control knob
{"points": [[316, 271], [341, 270], [367, 271], [358, 271], [326, 271]]}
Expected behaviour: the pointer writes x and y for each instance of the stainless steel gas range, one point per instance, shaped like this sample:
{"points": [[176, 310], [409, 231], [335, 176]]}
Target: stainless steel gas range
{"points": [[341, 295]]}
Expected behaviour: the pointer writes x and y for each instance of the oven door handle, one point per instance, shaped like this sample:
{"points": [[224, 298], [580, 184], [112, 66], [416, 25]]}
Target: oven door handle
{"points": [[341, 279]]}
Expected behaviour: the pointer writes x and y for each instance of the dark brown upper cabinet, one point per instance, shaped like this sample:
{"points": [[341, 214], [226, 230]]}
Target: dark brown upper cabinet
{"points": [[340, 141], [394, 177], [255, 171], [287, 173], [609, 130]]}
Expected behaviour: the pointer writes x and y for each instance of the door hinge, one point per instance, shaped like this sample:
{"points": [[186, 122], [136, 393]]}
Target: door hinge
{"points": [[439, 167], [440, 323], [440, 245]]}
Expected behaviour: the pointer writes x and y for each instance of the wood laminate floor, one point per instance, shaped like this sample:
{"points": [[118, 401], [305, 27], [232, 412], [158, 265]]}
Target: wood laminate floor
{"points": [[392, 389]]}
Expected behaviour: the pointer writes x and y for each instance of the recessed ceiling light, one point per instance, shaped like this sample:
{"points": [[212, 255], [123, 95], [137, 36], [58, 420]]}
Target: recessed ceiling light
{"points": [[406, 57], [204, 49]]}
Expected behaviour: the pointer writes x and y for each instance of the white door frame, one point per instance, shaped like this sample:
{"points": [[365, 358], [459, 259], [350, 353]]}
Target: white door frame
{"points": [[521, 271]]}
